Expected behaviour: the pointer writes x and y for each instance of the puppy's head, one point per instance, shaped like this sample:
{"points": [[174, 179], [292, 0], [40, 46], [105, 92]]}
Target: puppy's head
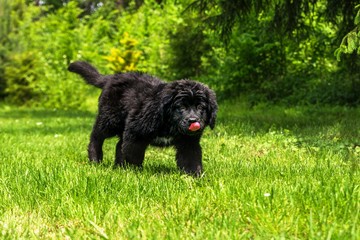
{"points": [[191, 106]]}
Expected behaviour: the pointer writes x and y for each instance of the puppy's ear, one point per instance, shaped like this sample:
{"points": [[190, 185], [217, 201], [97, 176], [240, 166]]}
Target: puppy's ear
{"points": [[156, 111], [212, 109], [166, 100], [167, 96]]}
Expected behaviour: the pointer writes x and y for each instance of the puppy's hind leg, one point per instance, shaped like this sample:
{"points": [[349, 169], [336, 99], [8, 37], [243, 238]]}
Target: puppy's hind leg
{"points": [[97, 138], [101, 131], [95, 151], [119, 159]]}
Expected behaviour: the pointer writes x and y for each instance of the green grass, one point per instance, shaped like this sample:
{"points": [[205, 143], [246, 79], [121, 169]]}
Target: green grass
{"points": [[270, 172]]}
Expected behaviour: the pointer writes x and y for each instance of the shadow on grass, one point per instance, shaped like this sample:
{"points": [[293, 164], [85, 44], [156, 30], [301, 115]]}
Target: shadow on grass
{"points": [[309, 122], [161, 169], [333, 128], [152, 169]]}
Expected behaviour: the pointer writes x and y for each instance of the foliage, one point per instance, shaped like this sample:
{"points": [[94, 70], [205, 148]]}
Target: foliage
{"points": [[291, 26], [126, 57], [8, 21], [151, 25], [188, 45], [285, 16], [272, 68], [351, 41], [247, 48], [21, 78], [87, 38], [270, 173]]}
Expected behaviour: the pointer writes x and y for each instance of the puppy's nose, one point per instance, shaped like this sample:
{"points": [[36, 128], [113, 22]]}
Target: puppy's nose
{"points": [[192, 120]]}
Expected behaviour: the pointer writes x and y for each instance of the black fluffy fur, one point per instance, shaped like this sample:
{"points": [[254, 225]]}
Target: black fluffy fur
{"points": [[143, 110]]}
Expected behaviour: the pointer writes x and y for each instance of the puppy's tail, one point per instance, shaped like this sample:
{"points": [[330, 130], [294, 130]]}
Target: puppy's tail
{"points": [[88, 73]]}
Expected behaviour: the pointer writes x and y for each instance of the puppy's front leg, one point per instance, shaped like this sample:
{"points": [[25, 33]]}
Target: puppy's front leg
{"points": [[134, 151], [189, 156]]}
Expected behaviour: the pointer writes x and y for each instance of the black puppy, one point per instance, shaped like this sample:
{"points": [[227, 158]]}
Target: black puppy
{"points": [[143, 110]]}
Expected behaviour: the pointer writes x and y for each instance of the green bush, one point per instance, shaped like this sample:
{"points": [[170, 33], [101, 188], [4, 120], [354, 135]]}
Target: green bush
{"points": [[54, 40], [125, 57], [248, 65], [59, 37], [21, 78], [188, 45]]}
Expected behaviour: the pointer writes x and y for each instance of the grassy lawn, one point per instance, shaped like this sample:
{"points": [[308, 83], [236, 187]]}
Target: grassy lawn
{"points": [[270, 172]]}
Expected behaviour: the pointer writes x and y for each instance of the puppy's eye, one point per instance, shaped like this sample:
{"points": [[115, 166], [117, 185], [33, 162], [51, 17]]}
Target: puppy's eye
{"points": [[200, 107], [180, 108]]}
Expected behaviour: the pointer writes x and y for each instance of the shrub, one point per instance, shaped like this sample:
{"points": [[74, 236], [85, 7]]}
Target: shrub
{"points": [[125, 57], [187, 45], [54, 40], [57, 37], [20, 75]]}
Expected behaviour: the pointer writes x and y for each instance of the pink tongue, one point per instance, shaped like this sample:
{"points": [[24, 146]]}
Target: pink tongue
{"points": [[194, 126]]}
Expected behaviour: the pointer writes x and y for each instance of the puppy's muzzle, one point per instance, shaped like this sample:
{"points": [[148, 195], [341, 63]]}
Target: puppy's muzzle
{"points": [[191, 125], [192, 120]]}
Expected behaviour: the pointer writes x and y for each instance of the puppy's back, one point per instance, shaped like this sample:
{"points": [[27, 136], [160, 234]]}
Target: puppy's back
{"points": [[140, 78]]}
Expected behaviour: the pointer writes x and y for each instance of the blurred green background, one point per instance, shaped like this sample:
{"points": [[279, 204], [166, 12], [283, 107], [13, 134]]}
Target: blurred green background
{"points": [[292, 52]]}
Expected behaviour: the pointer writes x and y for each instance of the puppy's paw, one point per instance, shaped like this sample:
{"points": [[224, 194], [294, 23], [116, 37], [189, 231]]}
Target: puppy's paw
{"points": [[195, 171]]}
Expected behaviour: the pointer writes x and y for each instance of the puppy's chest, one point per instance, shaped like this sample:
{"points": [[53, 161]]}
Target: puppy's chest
{"points": [[162, 141]]}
